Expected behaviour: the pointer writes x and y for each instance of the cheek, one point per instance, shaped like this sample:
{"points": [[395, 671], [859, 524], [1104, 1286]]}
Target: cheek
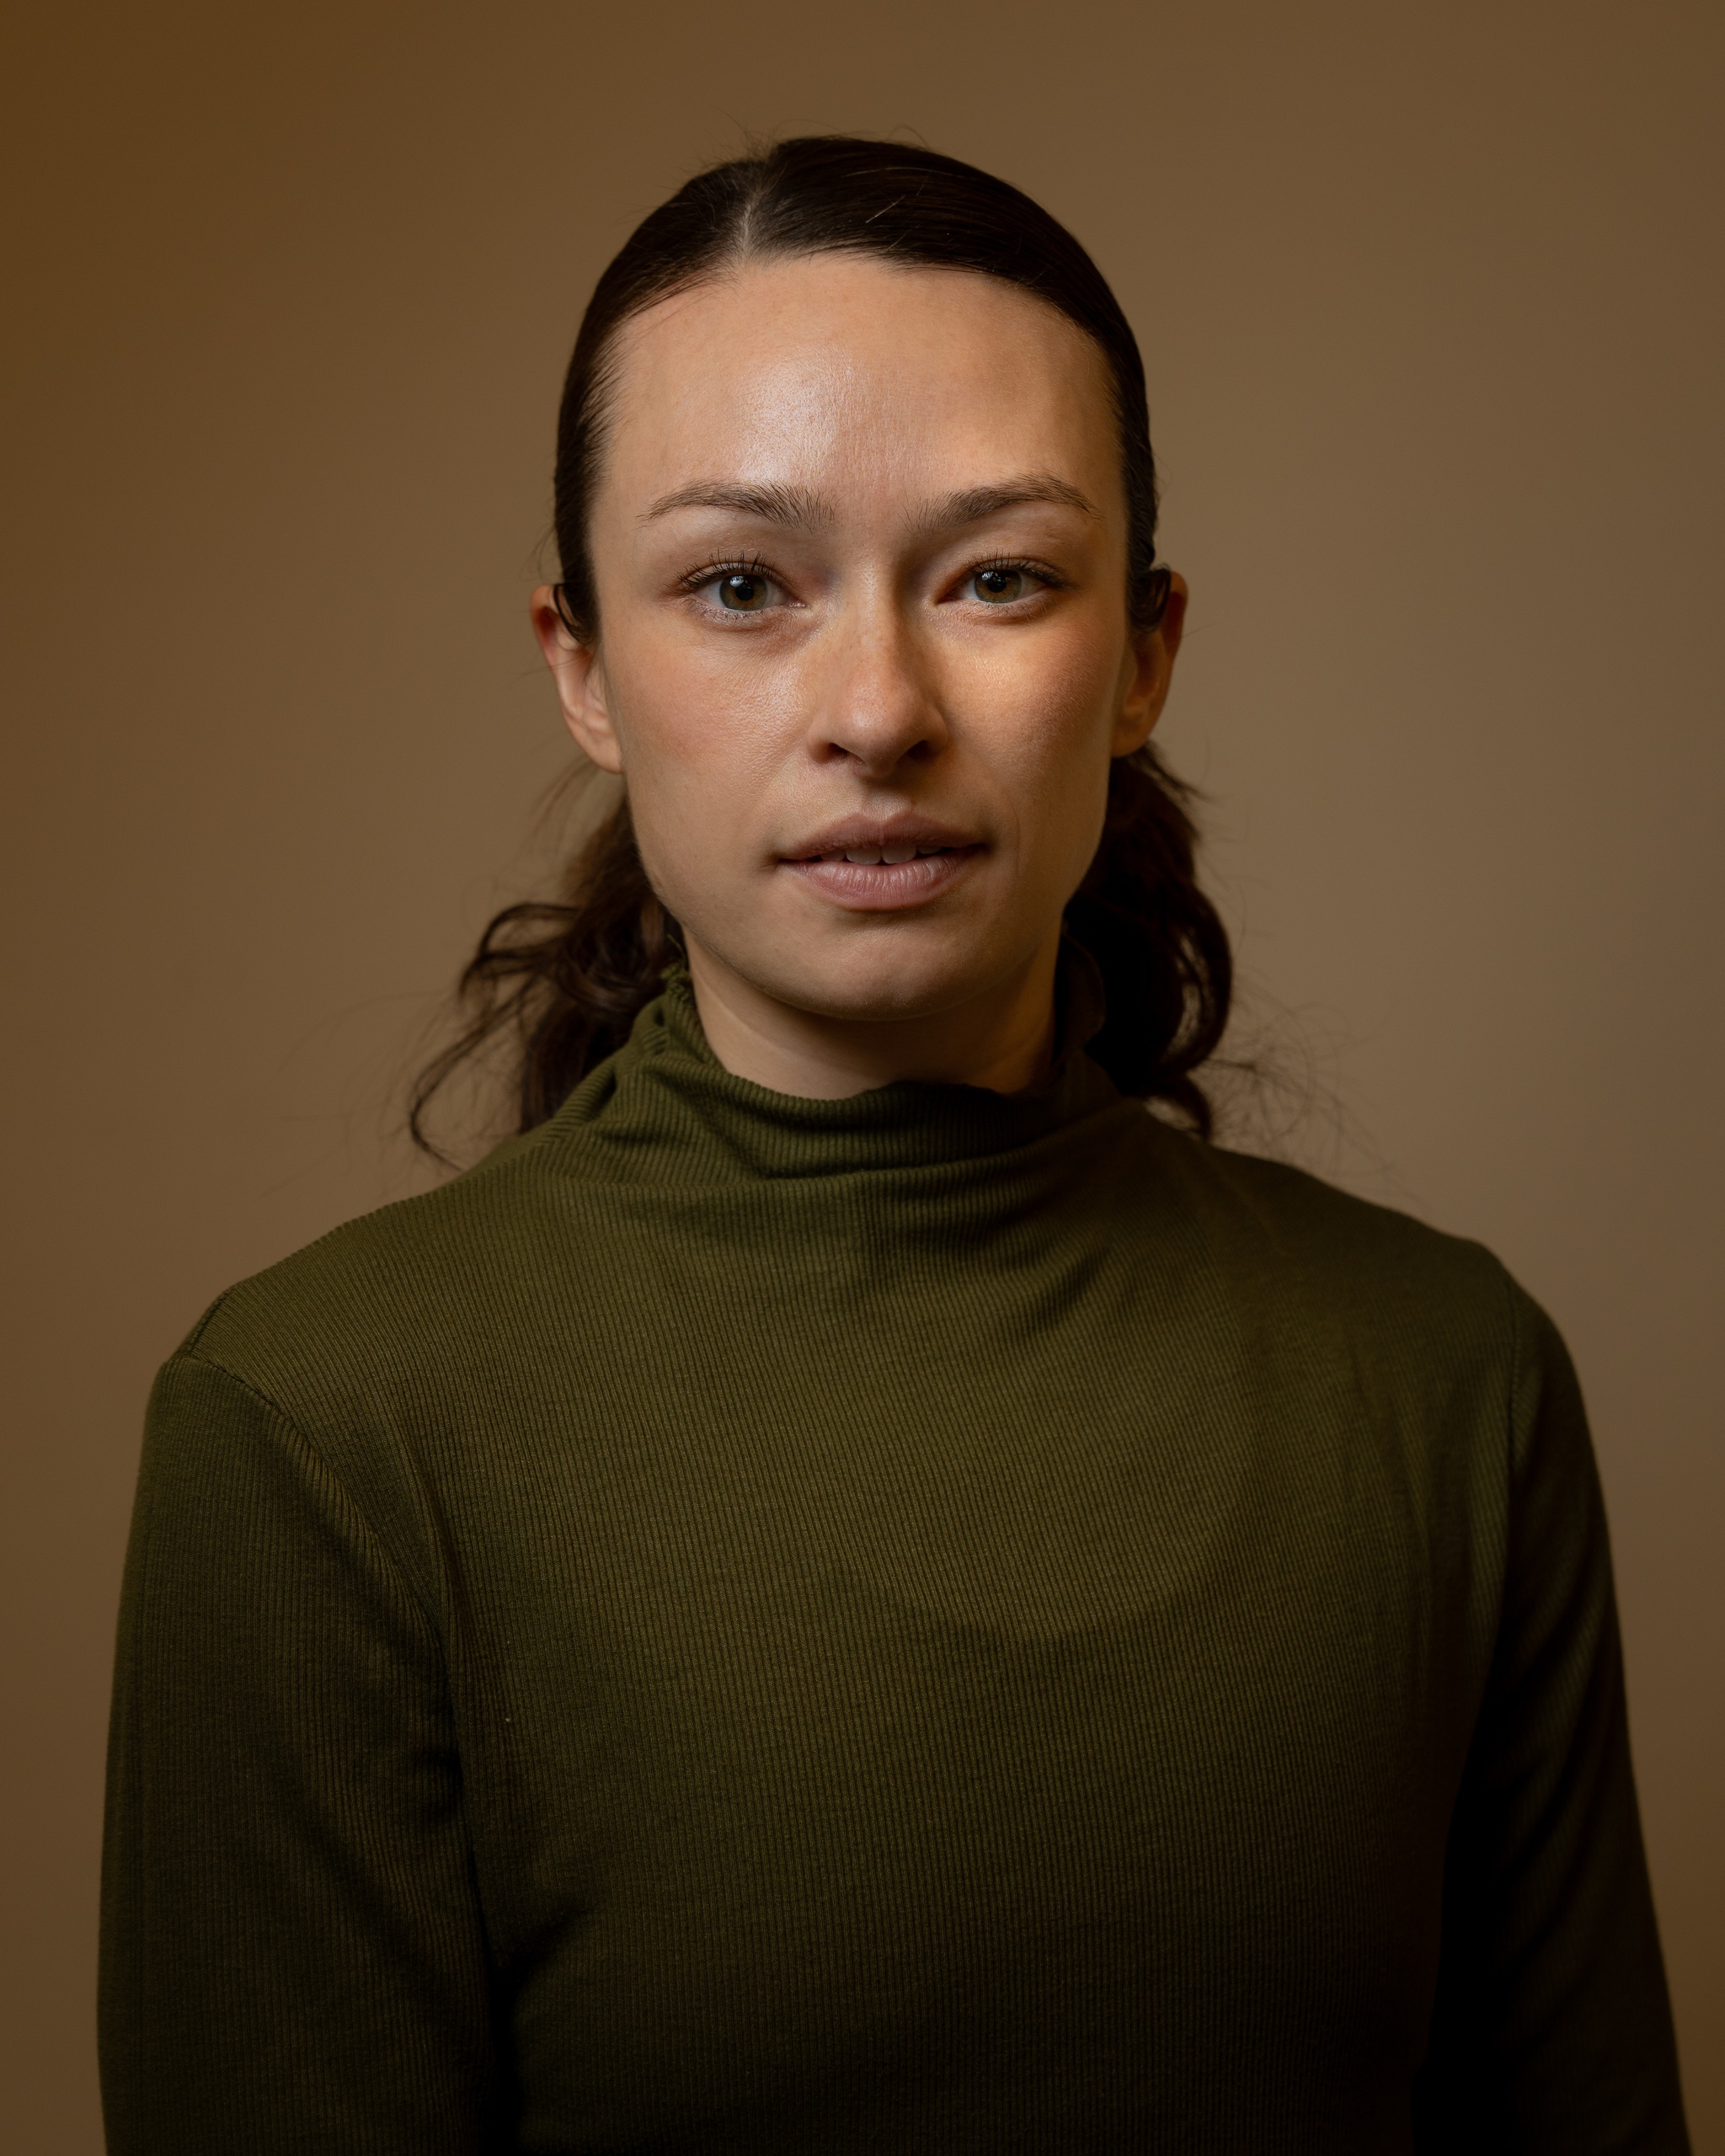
{"points": [[688, 722], [698, 762], [1043, 713]]}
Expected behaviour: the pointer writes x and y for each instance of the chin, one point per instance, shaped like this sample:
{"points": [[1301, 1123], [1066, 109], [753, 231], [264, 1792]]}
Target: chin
{"points": [[886, 977]]}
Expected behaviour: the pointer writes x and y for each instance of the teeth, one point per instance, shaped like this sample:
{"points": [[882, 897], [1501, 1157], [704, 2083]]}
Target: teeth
{"points": [[871, 857]]}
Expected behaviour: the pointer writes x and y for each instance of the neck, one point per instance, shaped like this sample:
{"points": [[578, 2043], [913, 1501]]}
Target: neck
{"points": [[1001, 1040]]}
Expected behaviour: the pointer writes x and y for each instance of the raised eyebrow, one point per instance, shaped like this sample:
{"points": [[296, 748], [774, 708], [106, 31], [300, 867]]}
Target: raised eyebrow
{"points": [[775, 505], [973, 503]]}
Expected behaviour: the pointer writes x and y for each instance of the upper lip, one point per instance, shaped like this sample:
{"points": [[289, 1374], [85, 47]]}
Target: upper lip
{"points": [[855, 833]]}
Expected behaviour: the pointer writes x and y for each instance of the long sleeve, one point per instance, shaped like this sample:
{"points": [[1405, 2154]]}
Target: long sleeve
{"points": [[292, 1954], [1552, 2033]]}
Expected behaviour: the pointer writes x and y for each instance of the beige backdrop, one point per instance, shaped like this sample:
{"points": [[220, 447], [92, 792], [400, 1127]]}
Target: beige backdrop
{"points": [[1430, 299]]}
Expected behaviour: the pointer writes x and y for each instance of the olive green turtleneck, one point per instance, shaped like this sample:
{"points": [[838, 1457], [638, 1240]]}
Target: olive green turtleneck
{"points": [[932, 1621]]}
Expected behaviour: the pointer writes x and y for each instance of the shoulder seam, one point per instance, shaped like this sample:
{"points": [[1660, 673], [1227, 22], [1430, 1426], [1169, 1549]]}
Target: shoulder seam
{"points": [[188, 1354], [189, 1343]]}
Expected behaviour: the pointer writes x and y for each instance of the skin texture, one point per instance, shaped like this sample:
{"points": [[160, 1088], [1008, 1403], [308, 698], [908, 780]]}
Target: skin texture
{"points": [[855, 443]]}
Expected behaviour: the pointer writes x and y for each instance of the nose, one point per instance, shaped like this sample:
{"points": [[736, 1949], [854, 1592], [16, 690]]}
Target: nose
{"points": [[877, 705]]}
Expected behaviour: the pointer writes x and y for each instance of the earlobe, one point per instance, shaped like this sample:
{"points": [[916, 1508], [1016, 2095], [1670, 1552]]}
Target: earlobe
{"points": [[1153, 655], [580, 682], [1146, 691]]}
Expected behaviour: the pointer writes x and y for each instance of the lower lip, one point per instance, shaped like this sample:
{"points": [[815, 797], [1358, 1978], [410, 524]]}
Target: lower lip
{"points": [[887, 886]]}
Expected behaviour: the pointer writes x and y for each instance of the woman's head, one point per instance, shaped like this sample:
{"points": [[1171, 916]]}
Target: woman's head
{"points": [[857, 513]]}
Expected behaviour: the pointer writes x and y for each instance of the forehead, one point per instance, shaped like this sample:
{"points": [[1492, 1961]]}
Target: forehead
{"points": [[846, 374]]}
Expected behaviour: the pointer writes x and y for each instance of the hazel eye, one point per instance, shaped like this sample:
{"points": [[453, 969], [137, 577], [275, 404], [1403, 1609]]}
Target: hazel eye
{"points": [[741, 591], [738, 587], [1000, 587]]}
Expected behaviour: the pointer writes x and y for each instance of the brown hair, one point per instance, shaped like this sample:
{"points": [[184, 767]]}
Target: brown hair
{"points": [[563, 978]]}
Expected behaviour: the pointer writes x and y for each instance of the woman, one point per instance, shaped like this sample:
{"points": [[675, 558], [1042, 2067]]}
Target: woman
{"points": [[852, 1586]]}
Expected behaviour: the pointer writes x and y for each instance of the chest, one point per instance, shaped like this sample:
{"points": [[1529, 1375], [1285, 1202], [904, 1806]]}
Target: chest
{"points": [[883, 1665]]}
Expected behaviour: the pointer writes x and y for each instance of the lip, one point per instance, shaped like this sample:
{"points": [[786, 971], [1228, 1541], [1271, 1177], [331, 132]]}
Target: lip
{"points": [[945, 855]]}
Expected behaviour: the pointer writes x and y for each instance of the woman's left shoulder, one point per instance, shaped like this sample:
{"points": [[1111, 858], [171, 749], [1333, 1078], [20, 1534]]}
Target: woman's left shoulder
{"points": [[1325, 1255]]}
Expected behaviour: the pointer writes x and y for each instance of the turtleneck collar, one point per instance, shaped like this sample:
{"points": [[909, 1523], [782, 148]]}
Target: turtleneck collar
{"points": [[666, 1105]]}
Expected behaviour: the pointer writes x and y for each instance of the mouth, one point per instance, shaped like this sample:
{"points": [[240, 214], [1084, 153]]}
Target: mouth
{"points": [[876, 865]]}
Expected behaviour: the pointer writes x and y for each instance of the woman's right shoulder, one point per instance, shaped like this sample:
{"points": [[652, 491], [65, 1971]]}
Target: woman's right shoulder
{"points": [[370, 1309]]}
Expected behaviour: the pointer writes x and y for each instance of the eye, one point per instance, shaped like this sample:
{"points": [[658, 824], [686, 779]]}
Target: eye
{"points": [[1001, 584], [742, 593], [741, 589]]}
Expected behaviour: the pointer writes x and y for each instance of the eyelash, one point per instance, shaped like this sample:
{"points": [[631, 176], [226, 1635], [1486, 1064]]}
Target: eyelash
{"points": [[1018, 565], [696, 579]]}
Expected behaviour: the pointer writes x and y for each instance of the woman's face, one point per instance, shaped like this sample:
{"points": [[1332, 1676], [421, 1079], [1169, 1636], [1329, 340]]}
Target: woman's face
{"points": [[863, 659]]}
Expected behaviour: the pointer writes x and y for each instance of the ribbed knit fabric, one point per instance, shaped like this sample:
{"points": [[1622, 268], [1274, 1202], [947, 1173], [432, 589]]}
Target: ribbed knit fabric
{"points": [[932, 1621]]}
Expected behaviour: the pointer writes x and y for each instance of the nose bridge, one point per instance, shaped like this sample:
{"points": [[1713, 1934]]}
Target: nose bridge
{"points": [[878, 702]]}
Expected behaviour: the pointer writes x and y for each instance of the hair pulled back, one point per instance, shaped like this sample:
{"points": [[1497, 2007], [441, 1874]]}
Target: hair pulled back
{"points": [[566, 978]]}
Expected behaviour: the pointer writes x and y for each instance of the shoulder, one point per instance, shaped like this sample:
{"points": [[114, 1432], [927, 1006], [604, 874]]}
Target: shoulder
{"points": [[1337, 1264], [362, 1312], [1357, 1317]]}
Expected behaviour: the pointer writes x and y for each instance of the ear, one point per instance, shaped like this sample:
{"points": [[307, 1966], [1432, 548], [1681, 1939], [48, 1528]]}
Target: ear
{"points": [[580, 682], [1149, 671]]}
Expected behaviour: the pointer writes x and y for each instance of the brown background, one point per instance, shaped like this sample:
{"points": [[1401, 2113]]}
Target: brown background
{"points": [[1430, 300]]}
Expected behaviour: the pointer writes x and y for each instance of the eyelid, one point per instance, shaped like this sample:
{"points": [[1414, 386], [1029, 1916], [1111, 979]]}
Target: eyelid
{"points": [[1021, 565], [737, 567]]}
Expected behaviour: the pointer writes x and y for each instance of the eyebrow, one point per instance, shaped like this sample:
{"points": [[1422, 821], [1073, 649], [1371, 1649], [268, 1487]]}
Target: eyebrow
{"points": [[776, 504], [973, 504], [773, 504]]}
